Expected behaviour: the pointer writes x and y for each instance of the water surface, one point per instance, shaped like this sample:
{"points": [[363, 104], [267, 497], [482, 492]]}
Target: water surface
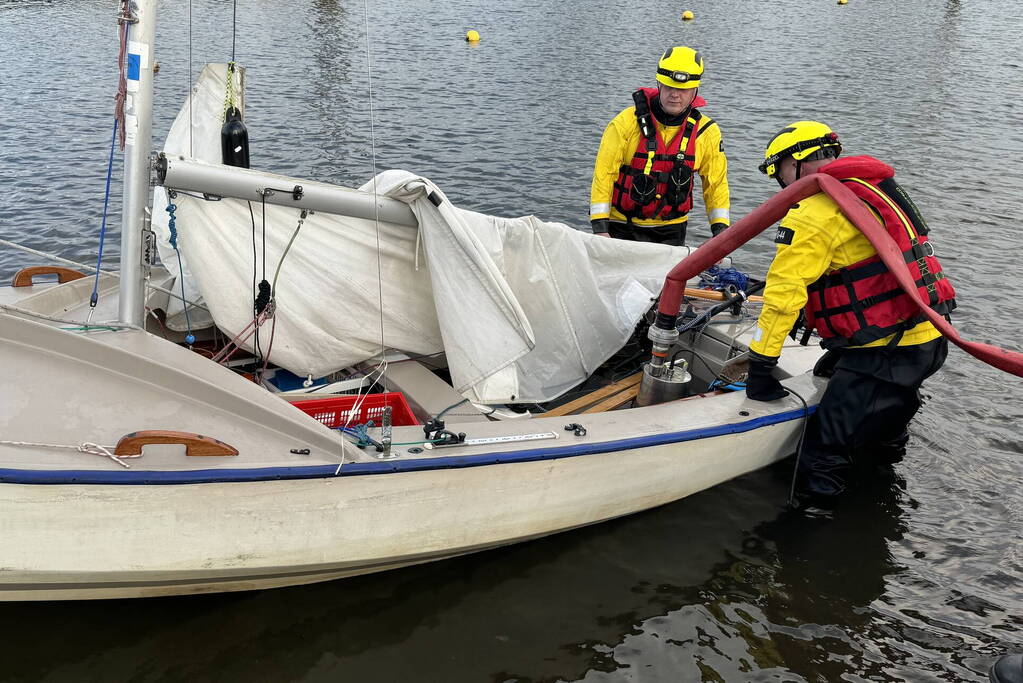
{"points": [[916, 579]]}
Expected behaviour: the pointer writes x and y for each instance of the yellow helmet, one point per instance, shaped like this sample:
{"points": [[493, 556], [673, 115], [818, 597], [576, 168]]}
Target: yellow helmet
{"points": [[680, 67], [803, 141]]}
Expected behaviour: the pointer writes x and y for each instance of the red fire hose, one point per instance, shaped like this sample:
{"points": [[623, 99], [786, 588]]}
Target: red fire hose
{"points": [[774, 209]]}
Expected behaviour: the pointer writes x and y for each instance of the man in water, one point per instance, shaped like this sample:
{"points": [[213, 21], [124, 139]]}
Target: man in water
{"points": [[643, 178], [880, 346]]}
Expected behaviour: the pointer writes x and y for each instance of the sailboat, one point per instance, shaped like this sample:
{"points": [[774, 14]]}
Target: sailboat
{"points": [[415, 382]]}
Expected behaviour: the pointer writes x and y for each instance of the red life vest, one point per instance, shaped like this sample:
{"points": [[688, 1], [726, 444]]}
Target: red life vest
{"points": [[863, 302], [658, 182]]}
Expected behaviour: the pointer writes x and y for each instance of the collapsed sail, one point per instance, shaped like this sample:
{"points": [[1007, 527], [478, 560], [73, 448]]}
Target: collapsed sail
{"points": [[195, 133], [523, 309]]}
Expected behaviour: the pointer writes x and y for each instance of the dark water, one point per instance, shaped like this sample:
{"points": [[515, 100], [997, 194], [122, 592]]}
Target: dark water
{"points": [[917, 579]]}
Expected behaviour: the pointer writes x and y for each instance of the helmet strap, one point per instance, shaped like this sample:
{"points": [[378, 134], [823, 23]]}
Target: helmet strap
{"points": [[777, 174]]}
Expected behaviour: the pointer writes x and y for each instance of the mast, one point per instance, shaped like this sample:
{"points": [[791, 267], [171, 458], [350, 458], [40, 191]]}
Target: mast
{"points": [[138, 118]]}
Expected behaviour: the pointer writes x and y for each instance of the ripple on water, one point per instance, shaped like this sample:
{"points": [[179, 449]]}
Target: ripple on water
{"points": [[918, 579]]}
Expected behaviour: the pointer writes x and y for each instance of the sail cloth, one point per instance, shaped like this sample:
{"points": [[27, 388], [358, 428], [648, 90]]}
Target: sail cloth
{"points": [[195, 133], [523, 309]]}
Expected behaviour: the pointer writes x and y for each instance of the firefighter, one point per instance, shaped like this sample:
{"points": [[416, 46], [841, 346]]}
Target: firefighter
{"points": [[643, 177], [880, 346]]}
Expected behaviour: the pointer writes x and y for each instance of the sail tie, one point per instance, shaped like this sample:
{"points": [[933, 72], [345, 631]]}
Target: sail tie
{"points": [[172, 227]]}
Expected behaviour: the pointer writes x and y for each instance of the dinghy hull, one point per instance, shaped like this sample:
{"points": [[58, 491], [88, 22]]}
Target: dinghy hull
{"points": [[120, 540]]}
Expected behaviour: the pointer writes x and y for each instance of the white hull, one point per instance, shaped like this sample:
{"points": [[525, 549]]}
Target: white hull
{"points": [[106, 541], [79, 526]]}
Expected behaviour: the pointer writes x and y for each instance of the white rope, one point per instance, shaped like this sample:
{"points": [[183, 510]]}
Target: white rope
{"points": [[373, 161], [86, 447], [36, 252], [64, 321], [381, 368], [93, 269]]}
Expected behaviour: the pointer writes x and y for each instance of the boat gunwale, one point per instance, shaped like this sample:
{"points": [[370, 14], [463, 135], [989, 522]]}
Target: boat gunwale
{"points": [[330, 471]]}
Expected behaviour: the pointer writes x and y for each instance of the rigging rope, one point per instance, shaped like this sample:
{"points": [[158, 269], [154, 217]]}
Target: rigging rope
{"points": [[188, 90], [376, 202], [125, 18], [229, 91], [94, 297], [90, 269], [172, 227], [65, 321]]}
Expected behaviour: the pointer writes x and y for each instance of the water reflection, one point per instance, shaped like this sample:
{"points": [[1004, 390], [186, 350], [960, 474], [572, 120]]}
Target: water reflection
{"points": [[704, 587], [794, 600], [547, 610], [330, 30]]}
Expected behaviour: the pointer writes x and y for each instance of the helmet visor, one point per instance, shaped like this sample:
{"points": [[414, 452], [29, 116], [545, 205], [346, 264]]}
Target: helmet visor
{"points": [[822, 153]]}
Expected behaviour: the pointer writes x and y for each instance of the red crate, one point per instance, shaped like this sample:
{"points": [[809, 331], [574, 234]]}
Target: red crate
{"points": [[337, 411]]}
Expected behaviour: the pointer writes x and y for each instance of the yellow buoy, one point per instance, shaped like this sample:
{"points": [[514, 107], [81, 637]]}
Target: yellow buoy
{"points": [[472, 37], [842, 2], [687, 16]]}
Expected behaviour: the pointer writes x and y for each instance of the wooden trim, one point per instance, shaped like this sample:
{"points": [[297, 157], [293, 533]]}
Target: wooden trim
{"points": [[712, 295], [616, 401], [594, 396], [195, 444], [23, 278]]}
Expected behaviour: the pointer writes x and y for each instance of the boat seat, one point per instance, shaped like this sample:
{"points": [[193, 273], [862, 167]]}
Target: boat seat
{"points": [[603, 399]]}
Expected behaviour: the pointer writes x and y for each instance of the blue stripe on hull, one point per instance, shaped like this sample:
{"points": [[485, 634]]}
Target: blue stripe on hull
{"points": [[216, 476]]}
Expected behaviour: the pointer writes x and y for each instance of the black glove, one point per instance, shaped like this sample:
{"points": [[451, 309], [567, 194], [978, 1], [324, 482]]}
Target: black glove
{"points": [[717, 228], [600, 225], [761, 384], [825, 366]]}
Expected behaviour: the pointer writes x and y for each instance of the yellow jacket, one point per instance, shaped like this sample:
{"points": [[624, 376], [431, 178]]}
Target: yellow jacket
{"points": [[815, 237], [619, 143]]}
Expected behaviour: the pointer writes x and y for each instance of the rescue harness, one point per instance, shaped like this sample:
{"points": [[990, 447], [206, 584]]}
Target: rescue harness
{"points": [[863, 302], [658, 181]]}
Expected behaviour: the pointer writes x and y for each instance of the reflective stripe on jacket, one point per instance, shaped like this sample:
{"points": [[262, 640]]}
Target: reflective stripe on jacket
{"points": [[618, 146], [657, 182]]}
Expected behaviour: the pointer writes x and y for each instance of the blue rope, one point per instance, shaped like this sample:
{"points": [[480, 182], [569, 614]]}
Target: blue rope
{"points": [[171, 225], [94, 298], [728, 279], [732, 386], [360, 431]]}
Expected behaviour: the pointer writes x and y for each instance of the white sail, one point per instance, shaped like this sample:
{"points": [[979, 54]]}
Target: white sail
{"points": [[524, 309], [195, 133]]}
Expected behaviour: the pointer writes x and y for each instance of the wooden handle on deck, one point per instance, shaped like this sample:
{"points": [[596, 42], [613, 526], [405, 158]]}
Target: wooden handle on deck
{"points": [[23, 278], [195, 444]]}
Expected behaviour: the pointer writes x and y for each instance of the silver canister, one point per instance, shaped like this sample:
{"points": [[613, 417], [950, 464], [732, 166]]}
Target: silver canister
{"points": [[668, 387]]}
